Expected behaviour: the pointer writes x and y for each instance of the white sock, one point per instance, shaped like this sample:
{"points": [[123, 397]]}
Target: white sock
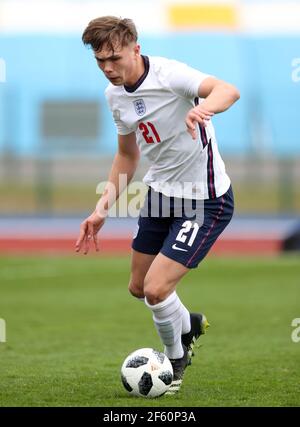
{"points": [[167, 316], [186, 320]]}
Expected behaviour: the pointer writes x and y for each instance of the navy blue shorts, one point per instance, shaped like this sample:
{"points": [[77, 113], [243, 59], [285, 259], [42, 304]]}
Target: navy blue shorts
{"points": [[183, 230]]}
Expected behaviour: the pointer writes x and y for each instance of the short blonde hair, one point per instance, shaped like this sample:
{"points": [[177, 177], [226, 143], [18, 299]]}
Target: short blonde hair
{"points": [[109, 31]]}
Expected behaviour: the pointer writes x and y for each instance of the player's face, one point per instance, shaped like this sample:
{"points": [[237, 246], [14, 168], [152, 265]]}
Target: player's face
{"points": [[120, 66]]}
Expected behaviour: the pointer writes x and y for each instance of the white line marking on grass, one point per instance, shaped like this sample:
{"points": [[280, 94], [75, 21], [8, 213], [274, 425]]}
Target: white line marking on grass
{"points": [[2, 330]]}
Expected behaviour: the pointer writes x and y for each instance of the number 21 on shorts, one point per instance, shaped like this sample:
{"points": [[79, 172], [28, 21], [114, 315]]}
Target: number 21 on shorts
{"points": [[187, 226]]}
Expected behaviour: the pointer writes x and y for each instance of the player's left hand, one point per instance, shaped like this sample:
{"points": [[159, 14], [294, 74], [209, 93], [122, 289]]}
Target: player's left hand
{"points": [[196, 115]]}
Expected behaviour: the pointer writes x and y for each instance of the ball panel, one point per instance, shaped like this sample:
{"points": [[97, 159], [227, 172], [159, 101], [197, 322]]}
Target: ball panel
{"points": [[160, 356], [166, 377], [125, 384], [145, 384], [137, 361]]}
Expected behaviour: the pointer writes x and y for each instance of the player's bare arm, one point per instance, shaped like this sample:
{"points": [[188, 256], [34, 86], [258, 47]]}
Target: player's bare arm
{"points": [[125, 163], [219, 96]]}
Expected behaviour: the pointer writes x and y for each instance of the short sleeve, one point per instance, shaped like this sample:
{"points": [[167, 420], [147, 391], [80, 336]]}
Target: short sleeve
{"points": [[122, 129], [185, 80]]}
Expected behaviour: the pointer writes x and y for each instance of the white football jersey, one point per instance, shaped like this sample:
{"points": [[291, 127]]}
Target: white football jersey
{"points": [[155, 109]]}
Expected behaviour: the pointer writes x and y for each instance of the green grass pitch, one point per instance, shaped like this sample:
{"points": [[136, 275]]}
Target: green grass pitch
{"points": [[70, 322]]}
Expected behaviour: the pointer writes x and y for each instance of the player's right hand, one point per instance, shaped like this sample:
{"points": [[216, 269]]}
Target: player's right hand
{"points": [[196, 115], [88, 232]]}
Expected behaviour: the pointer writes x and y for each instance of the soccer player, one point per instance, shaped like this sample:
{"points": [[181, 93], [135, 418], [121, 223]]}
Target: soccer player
{"points": [[162, 108]]}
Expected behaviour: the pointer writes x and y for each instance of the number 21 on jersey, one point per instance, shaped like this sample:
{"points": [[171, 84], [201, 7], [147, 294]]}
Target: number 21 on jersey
{"points": [[149, 132]]}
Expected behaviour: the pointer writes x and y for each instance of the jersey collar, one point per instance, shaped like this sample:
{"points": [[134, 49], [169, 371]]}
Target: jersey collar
{"points": [[134, 87]]}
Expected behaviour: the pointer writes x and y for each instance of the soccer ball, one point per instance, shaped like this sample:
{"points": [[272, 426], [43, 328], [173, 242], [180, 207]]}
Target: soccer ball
{"points": [[147, 373]]}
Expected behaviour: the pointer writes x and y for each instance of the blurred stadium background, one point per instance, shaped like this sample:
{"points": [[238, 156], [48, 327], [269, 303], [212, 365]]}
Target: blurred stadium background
{"points": [[57, 137]]}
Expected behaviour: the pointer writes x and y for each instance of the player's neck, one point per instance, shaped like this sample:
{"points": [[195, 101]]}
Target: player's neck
{"points": [[137, 72]]}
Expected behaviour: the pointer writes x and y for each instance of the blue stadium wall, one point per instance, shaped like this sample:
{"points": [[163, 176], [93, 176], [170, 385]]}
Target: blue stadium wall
{"points": [[53, 68]]}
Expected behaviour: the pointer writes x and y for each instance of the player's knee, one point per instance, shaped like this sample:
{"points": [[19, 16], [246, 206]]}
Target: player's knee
{"points": [[154, 293], [136, 289]]}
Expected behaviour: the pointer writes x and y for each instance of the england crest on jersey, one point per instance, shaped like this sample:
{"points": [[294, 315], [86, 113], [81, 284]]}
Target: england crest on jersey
{"points": [[140, 107]]}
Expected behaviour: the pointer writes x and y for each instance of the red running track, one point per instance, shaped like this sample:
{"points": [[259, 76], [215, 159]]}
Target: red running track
{"points": [[232, 246]]}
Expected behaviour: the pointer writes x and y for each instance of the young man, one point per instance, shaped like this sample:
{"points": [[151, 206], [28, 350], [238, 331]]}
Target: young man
{"points": [[162, 108]]}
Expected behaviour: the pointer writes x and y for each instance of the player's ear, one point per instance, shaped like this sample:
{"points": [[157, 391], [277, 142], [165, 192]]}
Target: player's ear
{"points": [[137, 49]]}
